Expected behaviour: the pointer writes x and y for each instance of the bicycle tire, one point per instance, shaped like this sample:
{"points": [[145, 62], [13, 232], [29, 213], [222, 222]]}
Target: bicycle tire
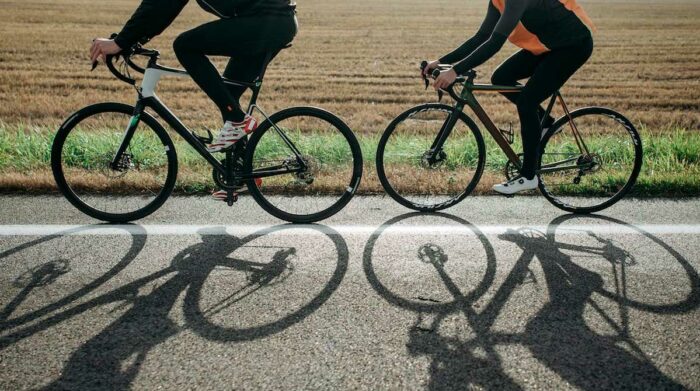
{"points": [[631, 180], [337, 124], [69, 193], [381, 148]]}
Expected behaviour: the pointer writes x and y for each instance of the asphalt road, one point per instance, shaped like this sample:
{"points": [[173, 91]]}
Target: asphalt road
{"points": [[494, 294]]}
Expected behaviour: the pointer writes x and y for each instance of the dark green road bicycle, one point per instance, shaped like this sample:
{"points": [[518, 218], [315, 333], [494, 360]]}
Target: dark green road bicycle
{"points": [[433, 155]]}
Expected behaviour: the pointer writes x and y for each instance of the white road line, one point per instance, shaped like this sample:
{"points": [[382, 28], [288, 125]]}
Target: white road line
{"points": [[241, 230]]}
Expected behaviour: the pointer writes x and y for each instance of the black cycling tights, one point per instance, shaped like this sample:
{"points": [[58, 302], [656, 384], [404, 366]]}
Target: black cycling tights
{"points": [[548, 73], [247, 40]]}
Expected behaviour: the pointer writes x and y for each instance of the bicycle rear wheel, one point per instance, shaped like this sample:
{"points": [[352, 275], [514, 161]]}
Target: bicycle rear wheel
{"points": [[418, 177], [585, 182], [331, 169], [82, 154]]}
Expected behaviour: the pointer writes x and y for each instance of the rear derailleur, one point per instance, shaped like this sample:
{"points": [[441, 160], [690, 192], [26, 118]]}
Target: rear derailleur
{"points": [[591, 163]]}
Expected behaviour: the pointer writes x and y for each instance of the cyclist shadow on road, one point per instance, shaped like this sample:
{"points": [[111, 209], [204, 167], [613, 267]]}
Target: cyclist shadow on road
{"points": [[558, 335], [114, 357], [42, 275]]}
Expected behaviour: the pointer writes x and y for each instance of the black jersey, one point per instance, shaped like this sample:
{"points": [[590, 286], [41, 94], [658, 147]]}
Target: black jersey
{"points": [[154, 16], [537, 26]]}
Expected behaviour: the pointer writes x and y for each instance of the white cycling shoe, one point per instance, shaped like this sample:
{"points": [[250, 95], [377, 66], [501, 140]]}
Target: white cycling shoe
{"points": [[517, 185], [232, 132]]}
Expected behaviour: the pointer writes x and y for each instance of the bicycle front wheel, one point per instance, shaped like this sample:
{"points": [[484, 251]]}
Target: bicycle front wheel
{"points": [[424, 178], [316, 155], [82, 155], [589, 173]]}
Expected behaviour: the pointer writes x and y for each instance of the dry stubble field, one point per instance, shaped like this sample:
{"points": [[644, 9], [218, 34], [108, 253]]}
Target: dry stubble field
{"points": [[356, 58]]}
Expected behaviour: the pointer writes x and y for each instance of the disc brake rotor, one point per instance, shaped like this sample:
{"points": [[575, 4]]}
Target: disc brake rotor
{"points": [[121, 168], [433, 161]]}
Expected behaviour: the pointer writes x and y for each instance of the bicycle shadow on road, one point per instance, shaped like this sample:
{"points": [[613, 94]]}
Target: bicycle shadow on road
{"points": [[47, 273], [114, 357], [558, 335]]}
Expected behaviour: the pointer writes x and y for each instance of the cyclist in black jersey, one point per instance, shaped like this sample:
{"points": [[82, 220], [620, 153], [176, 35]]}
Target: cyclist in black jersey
{"points": [[245, 31], [555, 37]]}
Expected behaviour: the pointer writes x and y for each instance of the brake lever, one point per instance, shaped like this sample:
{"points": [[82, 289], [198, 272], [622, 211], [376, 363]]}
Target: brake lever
{"points": [[424, 64], [440, 93]]}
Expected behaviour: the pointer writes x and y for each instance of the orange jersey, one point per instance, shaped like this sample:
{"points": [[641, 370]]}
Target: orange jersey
{"points": [[548, 25]]}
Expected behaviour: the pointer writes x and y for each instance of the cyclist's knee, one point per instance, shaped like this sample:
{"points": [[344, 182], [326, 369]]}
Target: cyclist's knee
{"points": [[182, 44], [502, 78]]}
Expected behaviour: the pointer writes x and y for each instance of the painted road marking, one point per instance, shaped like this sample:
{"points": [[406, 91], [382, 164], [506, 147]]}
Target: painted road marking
{"points": [[239, 230]]}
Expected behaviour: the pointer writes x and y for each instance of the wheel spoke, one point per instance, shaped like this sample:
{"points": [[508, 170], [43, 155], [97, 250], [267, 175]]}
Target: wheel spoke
{"points": [[84, 151], [422, 179], [608, 170], [329, 173]]}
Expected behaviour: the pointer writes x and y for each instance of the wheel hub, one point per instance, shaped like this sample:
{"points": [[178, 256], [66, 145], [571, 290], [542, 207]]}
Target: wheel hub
{"points": [[432, 159], [308, 175], [591, 161], [124, 163]]}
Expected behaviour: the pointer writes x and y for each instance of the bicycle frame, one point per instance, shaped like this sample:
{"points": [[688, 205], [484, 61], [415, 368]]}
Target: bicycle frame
{"points": [[149, 99], [468, 98]]}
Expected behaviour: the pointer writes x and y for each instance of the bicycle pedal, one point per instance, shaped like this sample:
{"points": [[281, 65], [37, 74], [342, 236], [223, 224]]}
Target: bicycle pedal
{"points": [[231, 198]]}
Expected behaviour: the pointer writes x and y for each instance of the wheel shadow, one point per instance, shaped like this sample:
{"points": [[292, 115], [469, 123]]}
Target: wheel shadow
{"points": [[114, 357], [557, 335], [45, 274]]}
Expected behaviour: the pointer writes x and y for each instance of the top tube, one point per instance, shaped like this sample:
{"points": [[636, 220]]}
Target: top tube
{"points": [[492, 88], [153, 57]]}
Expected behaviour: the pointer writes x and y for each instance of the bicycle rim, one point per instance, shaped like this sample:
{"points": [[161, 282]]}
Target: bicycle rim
{"points": [[81, 159], [423, 179], [585, 180], [327, 176]]}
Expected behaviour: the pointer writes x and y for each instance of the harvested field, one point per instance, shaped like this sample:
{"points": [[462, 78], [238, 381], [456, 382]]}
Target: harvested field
{"points": [[357, 59]]}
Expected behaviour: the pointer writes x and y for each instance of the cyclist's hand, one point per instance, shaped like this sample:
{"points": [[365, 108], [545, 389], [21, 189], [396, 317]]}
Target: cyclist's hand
{"points": [[446, 79], [102, 47], [429, 68]]}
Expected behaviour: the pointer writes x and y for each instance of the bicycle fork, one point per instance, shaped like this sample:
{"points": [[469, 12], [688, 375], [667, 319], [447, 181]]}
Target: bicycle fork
{"points": [[444, 133], [119, 163]]}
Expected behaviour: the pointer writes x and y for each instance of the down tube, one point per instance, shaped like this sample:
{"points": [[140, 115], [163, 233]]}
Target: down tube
{"points": [[491, 127], [170, 118]]}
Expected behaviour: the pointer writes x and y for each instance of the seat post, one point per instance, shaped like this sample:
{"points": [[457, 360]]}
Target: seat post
{"points": [[258, 81], [268, 58]]}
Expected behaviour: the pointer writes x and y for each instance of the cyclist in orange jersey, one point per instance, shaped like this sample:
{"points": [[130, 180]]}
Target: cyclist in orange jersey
{"points": [[555, 40]]}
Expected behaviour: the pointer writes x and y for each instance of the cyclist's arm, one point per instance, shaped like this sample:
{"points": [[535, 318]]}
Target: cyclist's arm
{"points": [[512, 14], [481, 36], [149, 20]]}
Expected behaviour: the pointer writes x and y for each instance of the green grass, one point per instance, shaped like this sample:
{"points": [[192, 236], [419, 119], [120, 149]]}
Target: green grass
{"points": [[671, 158]]}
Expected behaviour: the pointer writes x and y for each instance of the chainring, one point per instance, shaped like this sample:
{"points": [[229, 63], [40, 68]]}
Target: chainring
{"points": [[220, 180], [510, 170]]}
